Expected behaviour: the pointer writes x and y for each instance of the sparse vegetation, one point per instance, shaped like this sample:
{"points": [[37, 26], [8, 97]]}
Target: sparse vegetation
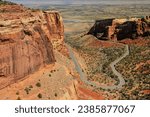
{"points": [[136, 72], [30, 86], [18, 98], [17, 93], [56, 94], [39, 95], [52, 71], [111, 54], [1, 25], [98, 60], [27, 90], [38, 84]]}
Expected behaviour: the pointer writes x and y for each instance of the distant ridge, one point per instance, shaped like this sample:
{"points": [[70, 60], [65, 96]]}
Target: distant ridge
{"points": [[68, 2], [2, 2]]}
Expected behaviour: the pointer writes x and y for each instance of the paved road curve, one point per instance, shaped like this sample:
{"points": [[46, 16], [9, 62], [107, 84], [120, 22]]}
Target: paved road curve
{"points": [[112, 65]]}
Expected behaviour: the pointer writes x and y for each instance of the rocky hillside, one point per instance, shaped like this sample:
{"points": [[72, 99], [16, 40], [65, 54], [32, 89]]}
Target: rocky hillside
{"points": [[27, 40]]}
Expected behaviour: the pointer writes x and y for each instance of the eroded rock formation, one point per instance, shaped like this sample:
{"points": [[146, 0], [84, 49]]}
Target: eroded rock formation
{"points": [[27, 40], [118, 29]]}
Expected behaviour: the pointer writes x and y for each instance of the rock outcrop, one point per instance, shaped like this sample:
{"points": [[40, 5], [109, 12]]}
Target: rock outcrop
{"points": [[27, 40], [118, 29]]}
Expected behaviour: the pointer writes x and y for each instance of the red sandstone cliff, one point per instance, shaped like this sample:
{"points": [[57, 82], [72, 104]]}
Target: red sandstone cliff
{"points": [[118, 29], [27, 39]]}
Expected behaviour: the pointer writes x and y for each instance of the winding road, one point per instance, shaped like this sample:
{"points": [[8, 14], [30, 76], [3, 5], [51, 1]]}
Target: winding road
{"points": [[112, 65]]}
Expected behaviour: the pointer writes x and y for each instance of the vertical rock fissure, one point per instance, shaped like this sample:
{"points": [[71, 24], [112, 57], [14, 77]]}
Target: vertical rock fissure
{"points": [[47, 44], [13, 59], [29, 58], [48, 24]]}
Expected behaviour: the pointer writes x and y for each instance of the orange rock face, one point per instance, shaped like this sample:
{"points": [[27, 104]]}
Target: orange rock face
{"points": [[118, 29], [27, 40]]}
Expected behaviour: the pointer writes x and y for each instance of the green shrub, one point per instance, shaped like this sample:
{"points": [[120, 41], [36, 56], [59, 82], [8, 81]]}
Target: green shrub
{"points": [[18, 98], [38, 84], [30, 86], [27, 90], [17, 93], [56, 95], [39, 95]]}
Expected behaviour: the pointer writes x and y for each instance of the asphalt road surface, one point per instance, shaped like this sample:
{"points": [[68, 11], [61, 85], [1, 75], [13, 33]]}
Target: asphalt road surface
{"points": [[83, 76]]}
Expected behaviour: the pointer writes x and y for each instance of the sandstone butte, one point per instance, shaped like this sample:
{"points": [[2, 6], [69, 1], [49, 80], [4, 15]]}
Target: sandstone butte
{"points": [[118, 29], [29, 41]]}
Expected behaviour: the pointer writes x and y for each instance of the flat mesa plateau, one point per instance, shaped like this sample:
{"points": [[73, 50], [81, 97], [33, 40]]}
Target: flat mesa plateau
{"points": [[74, 52]]}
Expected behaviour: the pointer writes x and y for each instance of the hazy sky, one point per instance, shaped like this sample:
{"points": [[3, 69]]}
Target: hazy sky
{"points": [[81, 1]]}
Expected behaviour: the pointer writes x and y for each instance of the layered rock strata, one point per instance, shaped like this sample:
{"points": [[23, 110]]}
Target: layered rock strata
{"points": [[118, 29], [27, 40]]}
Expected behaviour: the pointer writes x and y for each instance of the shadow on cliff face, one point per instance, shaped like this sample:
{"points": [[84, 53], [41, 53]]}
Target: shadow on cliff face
{"points": [[48, 45]]}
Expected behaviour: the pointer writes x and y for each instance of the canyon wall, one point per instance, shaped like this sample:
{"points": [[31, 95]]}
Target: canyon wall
{"points": [[27, 40], [118, 29]]}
